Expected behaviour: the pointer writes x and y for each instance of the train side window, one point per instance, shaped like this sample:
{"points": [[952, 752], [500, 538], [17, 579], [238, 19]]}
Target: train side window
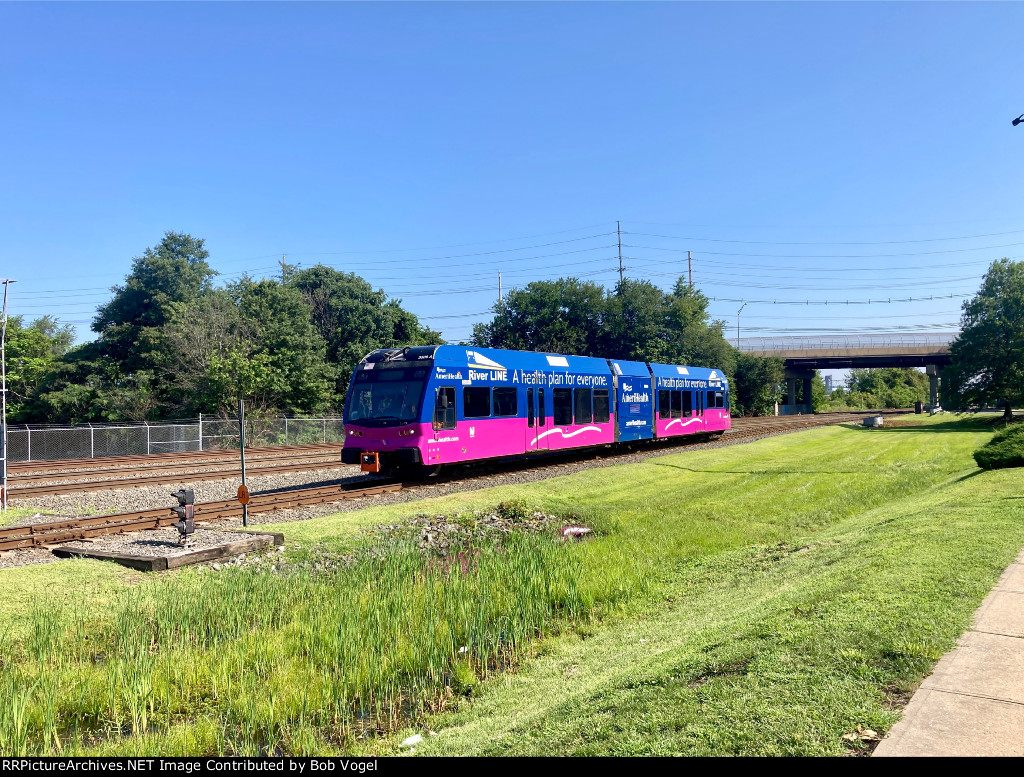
{"points": [[529, 407], [677, 404], [563, 406], [719, 399], [506, 401], [476, 402], [444, 408], [602, 408], [541, 409], [581, 406], [664, 407], [687, 404], [711, 400]]}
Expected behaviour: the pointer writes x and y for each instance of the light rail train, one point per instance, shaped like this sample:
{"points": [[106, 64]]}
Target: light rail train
{"points": [[419, 408]]}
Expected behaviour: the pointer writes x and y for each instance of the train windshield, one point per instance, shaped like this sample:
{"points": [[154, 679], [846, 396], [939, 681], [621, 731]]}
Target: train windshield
{"points": [[386, 397]]}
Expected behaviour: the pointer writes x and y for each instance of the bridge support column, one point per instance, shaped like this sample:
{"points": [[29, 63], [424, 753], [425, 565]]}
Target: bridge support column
{"points": [[790, 391], [797, 381], [933, 384]]}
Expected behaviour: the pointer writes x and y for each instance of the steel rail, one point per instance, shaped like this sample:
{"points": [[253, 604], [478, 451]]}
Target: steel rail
{"points": [[173, 458]]}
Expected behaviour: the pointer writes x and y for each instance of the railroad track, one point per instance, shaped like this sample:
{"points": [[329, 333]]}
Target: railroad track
{"points": [[53, 533], [154, 460], [20, 491]]}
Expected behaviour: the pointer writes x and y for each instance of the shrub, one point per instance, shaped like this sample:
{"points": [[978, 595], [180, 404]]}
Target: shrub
{"points": [[1005, 449], [514, 509]]}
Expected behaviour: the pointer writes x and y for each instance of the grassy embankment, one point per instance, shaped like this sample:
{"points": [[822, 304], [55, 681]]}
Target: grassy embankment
{"points": [[755, 599], [15, 514]]}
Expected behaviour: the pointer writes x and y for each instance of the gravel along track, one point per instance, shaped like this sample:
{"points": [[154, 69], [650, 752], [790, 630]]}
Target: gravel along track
{"points": [[156, 542], [123, 500]]}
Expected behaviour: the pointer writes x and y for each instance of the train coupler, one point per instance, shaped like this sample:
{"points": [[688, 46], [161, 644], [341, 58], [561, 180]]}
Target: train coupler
{"points": [[369, 462]]}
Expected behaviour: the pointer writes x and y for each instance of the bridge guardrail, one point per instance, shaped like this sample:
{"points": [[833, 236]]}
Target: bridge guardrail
{"points": [[833, 342]]}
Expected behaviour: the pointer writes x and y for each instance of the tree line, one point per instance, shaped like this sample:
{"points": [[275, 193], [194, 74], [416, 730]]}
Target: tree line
{"points": [[171, 343]]}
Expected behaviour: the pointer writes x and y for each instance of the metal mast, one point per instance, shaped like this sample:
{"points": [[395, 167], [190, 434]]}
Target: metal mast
{"points": [[3, 399]]}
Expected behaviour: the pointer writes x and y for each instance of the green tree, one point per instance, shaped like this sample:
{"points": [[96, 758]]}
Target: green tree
{"points": [[819, 400], [887, 386], [692, 337], [354, 319], [199, 332], [634, 323], [31, 354], [563, 316], [175, 271], [270, 354], [987, 364], [756, 384]]}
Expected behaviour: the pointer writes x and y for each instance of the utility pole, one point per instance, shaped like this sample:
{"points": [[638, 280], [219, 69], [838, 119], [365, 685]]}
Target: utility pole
{"points": [[284, 267], [619, 230], [499, 290], [738, 325], [689, 266], [241, 446], [3, 399]]}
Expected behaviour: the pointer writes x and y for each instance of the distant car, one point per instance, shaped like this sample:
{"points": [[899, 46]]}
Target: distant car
{"points": [[419, 408]]}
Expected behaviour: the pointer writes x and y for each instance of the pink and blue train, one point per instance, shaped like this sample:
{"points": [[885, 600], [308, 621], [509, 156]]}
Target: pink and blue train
{"points": [[419, 408]]}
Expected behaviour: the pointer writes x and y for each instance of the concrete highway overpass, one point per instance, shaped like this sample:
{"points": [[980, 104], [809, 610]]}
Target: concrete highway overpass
{"points": [[802, 355]]}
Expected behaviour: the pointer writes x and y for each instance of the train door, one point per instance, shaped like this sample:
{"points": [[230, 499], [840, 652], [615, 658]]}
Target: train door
{"points": [[536, 419], [699, 405]]}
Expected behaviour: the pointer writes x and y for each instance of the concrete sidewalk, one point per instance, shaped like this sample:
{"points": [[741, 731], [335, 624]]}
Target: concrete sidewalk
{"points": [[973, 703]]}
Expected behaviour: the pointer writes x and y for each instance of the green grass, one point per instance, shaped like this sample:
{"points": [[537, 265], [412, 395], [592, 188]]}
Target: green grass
{"points": [[15, 514], [753, 599], [766, 650]]}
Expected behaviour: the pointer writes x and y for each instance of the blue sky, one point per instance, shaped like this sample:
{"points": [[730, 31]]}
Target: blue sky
{"points": [[801, 151]]}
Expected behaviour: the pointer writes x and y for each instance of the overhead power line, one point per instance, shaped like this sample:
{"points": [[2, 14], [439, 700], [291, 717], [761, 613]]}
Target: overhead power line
{"points": [[838, 303], [825, 243], [830, 256]]}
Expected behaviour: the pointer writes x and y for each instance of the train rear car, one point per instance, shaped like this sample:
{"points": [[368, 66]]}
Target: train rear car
{"points": [[691, 400]]}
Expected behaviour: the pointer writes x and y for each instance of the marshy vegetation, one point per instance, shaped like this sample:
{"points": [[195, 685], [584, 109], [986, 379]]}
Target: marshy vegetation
{"points": [[262, 660]]}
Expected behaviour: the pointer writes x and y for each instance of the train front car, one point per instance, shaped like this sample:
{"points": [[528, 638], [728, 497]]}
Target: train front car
{"points": [[386, 423], [492, 403], [690, 400]]}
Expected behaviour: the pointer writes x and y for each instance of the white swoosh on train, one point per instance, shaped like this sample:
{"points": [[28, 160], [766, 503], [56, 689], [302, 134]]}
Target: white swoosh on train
{"points": [[564, 435], [694, 420]]}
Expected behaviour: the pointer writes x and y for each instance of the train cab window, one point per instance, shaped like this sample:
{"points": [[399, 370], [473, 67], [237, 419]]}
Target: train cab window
{"points": [[677, 404], [476, 402], [542, 413], [444, 408], [687, 404], [602, 408], [719, 399], [664, 407], [529, 407], [715, 399], [563, 406], [506, 401], [581, 406]]}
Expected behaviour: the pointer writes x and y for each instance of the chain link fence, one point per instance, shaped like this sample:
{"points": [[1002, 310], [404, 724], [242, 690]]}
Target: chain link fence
{"points": [[42, 443]]}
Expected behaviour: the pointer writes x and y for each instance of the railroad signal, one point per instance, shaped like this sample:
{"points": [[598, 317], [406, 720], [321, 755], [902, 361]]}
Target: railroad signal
{"points": [[186, 513], [243, 495]]}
